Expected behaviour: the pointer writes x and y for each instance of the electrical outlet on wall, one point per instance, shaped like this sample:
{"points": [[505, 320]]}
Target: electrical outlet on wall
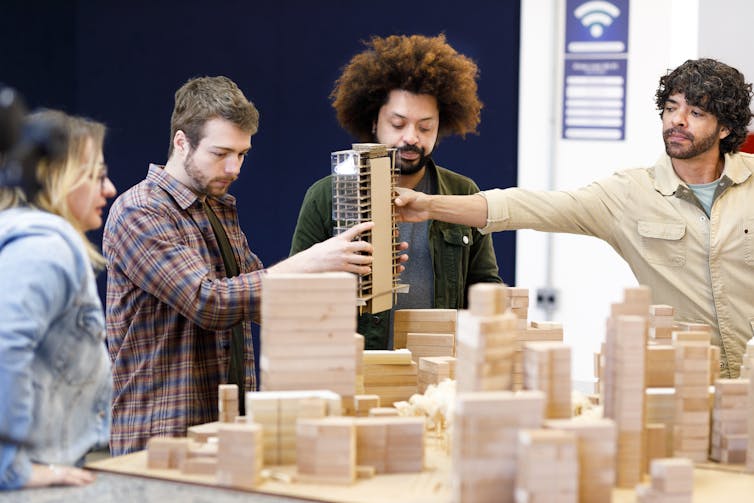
{"points": [[547, 299]]}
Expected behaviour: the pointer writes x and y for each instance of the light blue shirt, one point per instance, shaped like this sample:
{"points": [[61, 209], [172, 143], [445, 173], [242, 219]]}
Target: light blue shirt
{"points": [[55, 380], [705, 192]]}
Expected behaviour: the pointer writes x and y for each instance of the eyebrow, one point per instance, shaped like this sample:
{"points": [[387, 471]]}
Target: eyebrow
{"points": [[229, 149], [400, 116]]}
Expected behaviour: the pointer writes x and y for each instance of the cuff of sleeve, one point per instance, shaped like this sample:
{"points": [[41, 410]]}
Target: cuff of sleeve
{"points": [[18, 473], [497, 211]]}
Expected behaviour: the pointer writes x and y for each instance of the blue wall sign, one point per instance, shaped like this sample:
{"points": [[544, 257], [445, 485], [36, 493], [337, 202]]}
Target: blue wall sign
{"points": [[594, 87]]}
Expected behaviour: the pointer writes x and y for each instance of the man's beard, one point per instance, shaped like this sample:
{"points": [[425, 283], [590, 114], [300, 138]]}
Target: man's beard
{"points": [[413, 167], [694, 148], [200, 183]]}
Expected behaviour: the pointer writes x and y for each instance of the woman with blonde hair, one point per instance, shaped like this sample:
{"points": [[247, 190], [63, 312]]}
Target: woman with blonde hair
{"points": [[55, 375]]}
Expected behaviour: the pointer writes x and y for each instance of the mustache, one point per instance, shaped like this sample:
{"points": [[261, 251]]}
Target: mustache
{"points": [[677, 131], [411, 148]]}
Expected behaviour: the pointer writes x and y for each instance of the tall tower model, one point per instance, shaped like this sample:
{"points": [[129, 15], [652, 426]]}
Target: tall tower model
{"points": [[363, 187]]}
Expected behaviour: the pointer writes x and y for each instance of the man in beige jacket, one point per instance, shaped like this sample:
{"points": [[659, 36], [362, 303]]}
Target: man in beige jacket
{"points": [[685, 225]]}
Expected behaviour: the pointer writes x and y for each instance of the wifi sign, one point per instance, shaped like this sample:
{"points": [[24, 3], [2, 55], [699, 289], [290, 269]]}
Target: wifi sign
{"points": [[597, 26]]}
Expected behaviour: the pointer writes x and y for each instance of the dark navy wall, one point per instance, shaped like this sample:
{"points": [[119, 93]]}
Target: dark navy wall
{"points": [[121, 62]]}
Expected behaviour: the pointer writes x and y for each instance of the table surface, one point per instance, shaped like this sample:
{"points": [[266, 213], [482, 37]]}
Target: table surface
{"points": [[126, 478]]}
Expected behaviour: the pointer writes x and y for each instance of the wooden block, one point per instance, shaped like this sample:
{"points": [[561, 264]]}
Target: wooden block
{"points": [[672, 475], [661, 310], [685, 326], [421, 320], [430, 339], [202, 432], [383, 411], [656, 444], [486, 299], [327, 281], [200, 466], [387, 357], [365, 472], [166, 452]]}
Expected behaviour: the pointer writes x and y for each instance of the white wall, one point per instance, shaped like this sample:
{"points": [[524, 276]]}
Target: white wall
{"points": [[588, 274], [725, 33]]}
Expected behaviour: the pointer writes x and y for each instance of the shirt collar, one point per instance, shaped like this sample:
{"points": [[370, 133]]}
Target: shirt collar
{"points": [[667, 181], [184, 196]]}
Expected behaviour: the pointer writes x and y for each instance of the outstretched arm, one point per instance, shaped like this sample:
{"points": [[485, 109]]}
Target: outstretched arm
{"points": [[468, 210], [339, 253]]}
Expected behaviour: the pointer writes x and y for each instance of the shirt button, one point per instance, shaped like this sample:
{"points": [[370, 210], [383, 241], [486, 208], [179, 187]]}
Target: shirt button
{"points": [[465, 240], [701, 219], [376, 320]]}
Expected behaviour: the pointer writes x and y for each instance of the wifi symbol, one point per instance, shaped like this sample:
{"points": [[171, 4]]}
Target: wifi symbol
{"points": [[596, 15]]}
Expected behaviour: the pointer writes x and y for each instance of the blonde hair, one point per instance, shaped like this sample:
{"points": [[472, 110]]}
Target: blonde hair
{"points": [[59, 177]]}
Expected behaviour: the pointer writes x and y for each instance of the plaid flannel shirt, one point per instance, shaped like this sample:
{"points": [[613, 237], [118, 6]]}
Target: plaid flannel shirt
{"points": [[170, 308]]}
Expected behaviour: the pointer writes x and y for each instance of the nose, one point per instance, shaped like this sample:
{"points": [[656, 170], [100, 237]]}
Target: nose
{"points": [[410, 135], [679, 118], [108, 189], [233, 165]]}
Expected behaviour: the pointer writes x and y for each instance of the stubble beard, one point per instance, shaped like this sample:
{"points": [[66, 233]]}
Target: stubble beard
{"points": [[200, 183], [695, 147]]}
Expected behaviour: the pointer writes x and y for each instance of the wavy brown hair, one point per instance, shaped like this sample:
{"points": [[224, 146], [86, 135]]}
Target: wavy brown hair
{"points": [[716, 88], [418, 64], [202, 99]]}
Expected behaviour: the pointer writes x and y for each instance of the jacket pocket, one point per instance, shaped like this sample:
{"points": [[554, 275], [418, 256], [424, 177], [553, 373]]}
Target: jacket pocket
{"points": [[662, 242], [458, 236]]}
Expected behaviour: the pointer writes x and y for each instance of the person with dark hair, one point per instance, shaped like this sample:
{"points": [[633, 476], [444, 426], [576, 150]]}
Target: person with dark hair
{"points": [[685, 226], [183, 287], [55, 379], [408, 92]]}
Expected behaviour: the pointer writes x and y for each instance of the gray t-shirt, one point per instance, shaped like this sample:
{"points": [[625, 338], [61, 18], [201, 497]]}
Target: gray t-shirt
{"points": [[419, 273]]}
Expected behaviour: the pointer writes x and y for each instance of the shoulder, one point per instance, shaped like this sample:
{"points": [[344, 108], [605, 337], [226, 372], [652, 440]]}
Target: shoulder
{"points": [[143, 198], [320, 191], [321, 186], [43, 238], [450, 182]]}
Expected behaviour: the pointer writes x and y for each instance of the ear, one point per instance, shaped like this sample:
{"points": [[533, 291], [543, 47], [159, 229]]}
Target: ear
{"points": [[181, 143], [724, 132]]}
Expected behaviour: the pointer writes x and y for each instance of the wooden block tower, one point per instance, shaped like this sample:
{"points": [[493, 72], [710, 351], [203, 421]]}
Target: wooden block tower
{"points": [[623, 388], [597, 448], [729, 430], [326, 450], [548, 466], [363, 187], [239, 455], [672, 481], [692, 416], [547, 367], [307, 332], [434, 321], [485, 341], [484, 444]]}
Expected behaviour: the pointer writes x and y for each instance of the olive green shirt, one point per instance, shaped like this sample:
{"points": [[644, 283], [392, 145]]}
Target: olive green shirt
{"points": [[703, 266], [461, 255]]}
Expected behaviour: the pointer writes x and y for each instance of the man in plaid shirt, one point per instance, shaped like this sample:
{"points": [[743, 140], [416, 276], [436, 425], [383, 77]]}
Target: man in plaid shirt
{"points": [[183, 286]]}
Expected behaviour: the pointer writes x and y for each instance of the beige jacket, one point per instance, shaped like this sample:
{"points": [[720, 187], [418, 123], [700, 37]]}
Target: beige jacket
{"points": [[704, 267]]}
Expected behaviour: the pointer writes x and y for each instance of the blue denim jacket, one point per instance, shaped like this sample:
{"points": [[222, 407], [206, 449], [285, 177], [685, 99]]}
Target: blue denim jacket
{"points": [[55, 380]]}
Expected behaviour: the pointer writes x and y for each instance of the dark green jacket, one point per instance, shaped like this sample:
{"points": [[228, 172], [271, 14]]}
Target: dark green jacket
{"points": [[461, 255]]}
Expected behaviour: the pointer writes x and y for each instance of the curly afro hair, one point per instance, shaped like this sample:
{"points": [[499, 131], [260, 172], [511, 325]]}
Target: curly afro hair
{"points": [[716, 88], [418, 64]]}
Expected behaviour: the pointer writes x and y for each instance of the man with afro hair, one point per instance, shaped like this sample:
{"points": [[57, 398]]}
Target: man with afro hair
{"points": [[408, 92]]}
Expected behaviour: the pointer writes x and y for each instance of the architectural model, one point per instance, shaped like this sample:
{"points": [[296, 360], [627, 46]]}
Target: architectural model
{"points": [[363, 187]]}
